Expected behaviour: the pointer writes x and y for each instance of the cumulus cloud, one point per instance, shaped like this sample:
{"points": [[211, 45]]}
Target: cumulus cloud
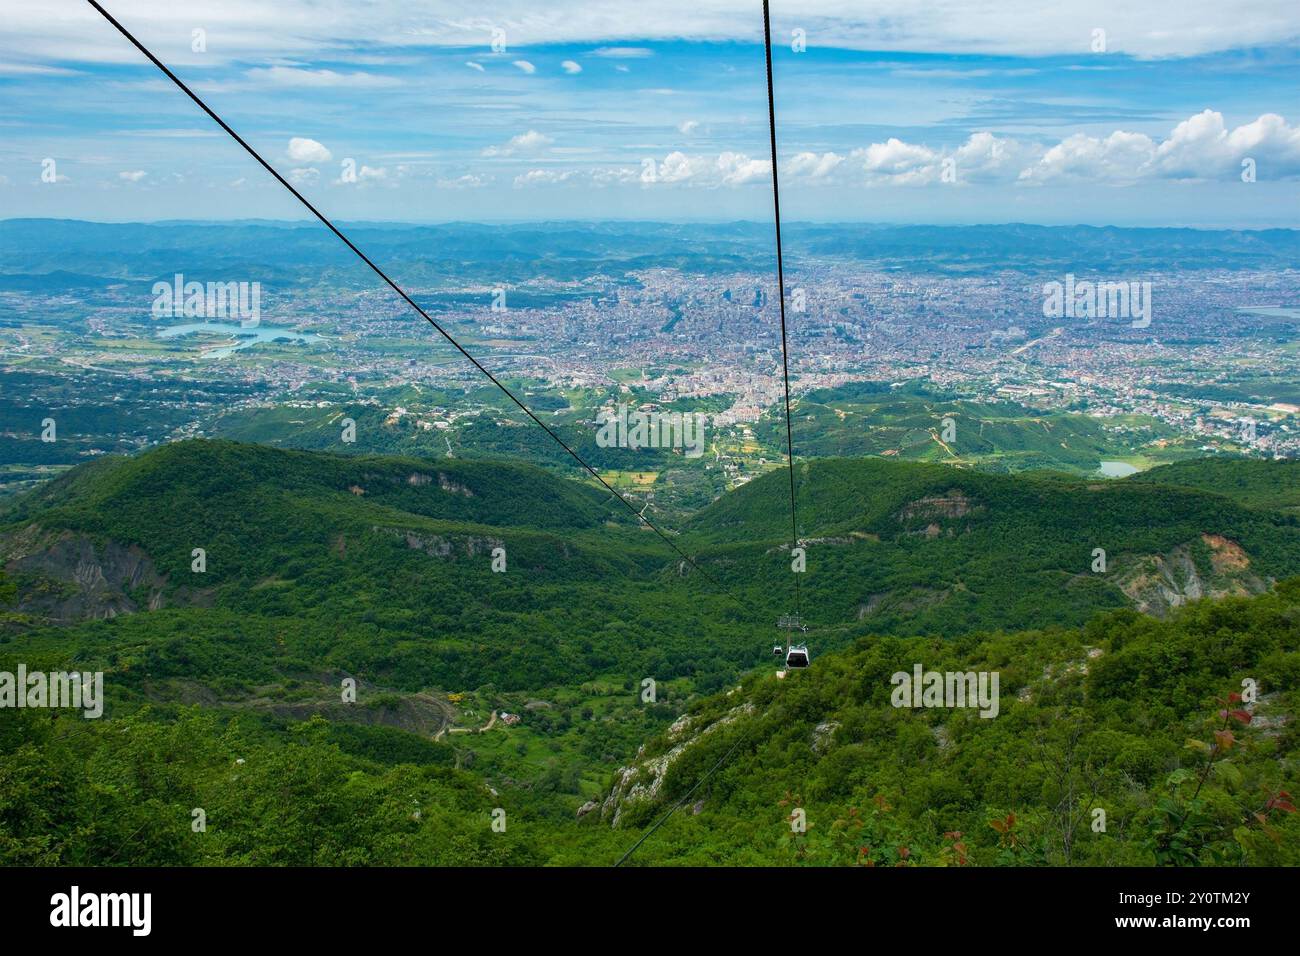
{"points": [[687, 127], [725, 169], [1200, 147], [303, 176], [813, 166], [677, 167], [303, 150], [736, 169], [571, 66], [1119, 157], [536, 177], [529, 142], [899, 162], [525, 66], [1203, 147]]}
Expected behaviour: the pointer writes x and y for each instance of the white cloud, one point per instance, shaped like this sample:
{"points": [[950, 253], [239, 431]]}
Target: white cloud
{"points": [[536, 177], [475, 66], [687, 127], [899, 162], [1153, 28], [614, 175], [302, 176], [365, 174], [529, 142], [525, 66], [1203, 147], [571, 66], [294, 77], [467, 181], [677, 167], [303, 150], [598, 178], [1200, 147], [988, 158], [1119, 157], [737, 169], [623, 52], [982, 158], [30, 69], [812, 166], [131, 176], [725, 169]]}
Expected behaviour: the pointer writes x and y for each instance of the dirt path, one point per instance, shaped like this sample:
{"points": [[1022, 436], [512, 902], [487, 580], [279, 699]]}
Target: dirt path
{"points": [[468, 730]]}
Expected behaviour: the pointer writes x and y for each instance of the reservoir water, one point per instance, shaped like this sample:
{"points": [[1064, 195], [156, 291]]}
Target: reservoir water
{"points": [[246, 337], [1118, 469]]}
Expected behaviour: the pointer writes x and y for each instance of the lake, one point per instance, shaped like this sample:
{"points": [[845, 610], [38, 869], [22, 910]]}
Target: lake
{"points": [[1118, 469], [246, 337]]}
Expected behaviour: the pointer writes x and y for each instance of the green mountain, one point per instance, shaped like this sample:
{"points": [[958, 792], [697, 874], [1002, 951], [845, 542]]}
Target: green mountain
{"points": [[1273, 485], [915, 548], [375, 566], [227, 687], [874, 418]]}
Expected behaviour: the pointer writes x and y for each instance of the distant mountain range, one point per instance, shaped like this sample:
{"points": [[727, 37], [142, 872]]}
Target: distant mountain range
{"points": [[65, 252]]}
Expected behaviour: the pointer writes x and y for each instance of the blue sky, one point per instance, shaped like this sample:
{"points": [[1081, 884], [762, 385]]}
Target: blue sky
{"points": [[929, 111]]}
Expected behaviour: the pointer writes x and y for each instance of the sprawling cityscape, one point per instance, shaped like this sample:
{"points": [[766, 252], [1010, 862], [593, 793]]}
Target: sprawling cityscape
{"points": [[1210, 369]]}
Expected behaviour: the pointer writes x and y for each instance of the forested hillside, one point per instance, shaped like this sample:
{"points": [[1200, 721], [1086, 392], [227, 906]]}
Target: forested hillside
{"points": [[1139, 718], [231, 593], [916, 548]]}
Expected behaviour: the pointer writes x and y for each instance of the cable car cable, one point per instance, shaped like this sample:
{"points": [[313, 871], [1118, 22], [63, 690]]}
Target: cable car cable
{"points": [[794, 527], [780, 280]]}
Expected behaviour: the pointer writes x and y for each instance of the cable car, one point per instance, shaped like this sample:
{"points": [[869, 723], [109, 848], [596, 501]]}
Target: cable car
{"points": [[796, 655]]}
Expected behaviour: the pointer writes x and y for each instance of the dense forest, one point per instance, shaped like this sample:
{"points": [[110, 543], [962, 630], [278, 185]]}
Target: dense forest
{"points": [[452, 592]]}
